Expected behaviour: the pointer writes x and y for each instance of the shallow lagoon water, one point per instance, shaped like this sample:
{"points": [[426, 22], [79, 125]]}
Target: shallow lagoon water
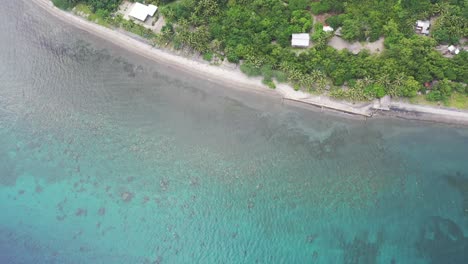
{"points": [[109, 158]]}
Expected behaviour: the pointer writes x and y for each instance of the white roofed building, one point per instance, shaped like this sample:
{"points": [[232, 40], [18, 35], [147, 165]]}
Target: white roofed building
{"points": [[141, 12], [327, 29], [453, 50], [300, 40], [423, 26]]}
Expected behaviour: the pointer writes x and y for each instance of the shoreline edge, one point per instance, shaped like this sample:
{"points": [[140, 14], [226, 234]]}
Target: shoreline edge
{"points": [[236, 79]]}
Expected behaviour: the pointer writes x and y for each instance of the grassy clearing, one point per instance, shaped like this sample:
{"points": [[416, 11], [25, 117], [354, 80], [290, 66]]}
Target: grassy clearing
{"points": [[421, 100], [459, 101], [83, 9], [456, 100]]}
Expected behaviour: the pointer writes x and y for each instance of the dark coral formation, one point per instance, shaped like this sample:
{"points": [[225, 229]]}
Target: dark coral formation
{"points": [[38, 189], [360, 250], [130, 179], [102, 211], [442, 241], [459, 181], [81, 212], [7, 167], [60, 208]]}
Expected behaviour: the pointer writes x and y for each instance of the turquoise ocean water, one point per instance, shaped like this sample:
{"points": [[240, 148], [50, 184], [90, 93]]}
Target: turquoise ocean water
{"points": [[106, 157]]}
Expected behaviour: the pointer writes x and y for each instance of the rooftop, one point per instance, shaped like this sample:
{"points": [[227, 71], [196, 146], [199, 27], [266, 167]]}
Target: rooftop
{"points": [[300, 40], [327, 29], [424, 26], [141, 12]]}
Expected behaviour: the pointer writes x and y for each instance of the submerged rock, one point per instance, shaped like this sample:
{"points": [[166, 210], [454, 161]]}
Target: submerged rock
{"points": [[102, 211], [164, 184], [311, 238], [361, 249], [126, 196]]}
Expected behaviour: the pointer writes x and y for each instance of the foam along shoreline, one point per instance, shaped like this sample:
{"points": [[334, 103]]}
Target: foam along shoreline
{"points": [[235, 78]]}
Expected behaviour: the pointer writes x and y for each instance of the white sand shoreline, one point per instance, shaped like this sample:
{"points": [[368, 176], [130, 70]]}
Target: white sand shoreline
{"points": [[235, 78]]}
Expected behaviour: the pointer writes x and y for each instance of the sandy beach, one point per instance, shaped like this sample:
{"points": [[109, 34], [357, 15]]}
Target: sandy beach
{"points": [[236, 79]]}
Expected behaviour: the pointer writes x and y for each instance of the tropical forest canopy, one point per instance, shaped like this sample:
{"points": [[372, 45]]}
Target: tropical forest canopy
{"points": [[257, 34]]}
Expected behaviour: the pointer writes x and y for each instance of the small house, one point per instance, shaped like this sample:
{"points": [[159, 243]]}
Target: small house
{"points": [[300, 40], [141, 11], [423, 26], [453, 50], [327, 29]]}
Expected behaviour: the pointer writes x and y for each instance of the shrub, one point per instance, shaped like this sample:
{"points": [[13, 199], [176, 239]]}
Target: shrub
{"points": [[336, 21], [102, 13], [375, 91], [208, 56], [269, 83], [62, 4], [351, 82], [232, 57], [280, 76], [250, 70], [459, 88], [266, 71], [434, 96]]}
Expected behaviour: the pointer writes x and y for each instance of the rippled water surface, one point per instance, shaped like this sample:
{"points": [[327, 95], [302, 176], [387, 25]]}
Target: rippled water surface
{"points": [[106, 157]]}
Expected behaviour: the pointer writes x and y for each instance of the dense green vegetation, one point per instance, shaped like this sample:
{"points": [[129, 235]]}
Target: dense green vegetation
{"points": [[95, 5], [257, 33]]}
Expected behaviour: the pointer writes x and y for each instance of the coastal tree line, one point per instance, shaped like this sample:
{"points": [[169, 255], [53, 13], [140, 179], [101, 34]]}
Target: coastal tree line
{"points": [[256, 34]]}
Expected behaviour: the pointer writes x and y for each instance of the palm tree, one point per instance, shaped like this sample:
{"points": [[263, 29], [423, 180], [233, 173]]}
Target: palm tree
{"points": [[305, 81], [445, 8], [166, 34], [321, 83], [367, 32], [384, 80], [367, 80], [316, 74], [169, 14], [294, 75], [286, 66], [399, 79], [216, 45], [393, 89]]}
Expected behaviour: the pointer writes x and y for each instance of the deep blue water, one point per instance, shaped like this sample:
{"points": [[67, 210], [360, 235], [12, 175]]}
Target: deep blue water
{"points": [[106, 157]]}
